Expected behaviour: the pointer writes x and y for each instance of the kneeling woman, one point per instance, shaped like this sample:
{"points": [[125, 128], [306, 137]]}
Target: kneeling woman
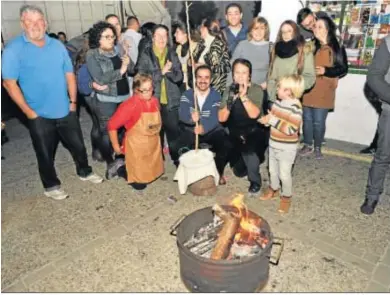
{"points": [[140, 115]]}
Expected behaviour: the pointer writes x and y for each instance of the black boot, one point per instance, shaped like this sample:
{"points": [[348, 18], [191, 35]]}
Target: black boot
{"points": [[368, 206], [254, 188], [368, 150], [138, 186]]}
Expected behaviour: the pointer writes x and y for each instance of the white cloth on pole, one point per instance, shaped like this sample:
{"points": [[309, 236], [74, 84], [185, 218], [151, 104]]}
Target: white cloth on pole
{"points": [[194, 166]]}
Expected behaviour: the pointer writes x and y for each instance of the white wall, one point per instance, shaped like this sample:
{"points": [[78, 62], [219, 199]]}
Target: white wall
{"points": [[354, 119], [72, 17], [277, 11]]}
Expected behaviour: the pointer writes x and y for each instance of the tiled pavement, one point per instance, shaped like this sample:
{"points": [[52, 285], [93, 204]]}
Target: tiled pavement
{"points": [[108, 238]]}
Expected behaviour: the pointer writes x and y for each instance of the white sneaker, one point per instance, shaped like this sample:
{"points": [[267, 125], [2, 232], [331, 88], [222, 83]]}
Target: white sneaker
{"points": [[57, 194], [92, 178]]}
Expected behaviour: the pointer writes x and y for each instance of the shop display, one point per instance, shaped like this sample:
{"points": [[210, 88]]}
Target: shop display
{"points": [[362, 25]]}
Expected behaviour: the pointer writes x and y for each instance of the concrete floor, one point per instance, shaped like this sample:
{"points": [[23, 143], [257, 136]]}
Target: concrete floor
{"points": [[108, 238]]}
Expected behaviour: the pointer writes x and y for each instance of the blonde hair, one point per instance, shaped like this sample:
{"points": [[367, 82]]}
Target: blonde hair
{"points": [[139, 79], [254, 23], [295, 83]]}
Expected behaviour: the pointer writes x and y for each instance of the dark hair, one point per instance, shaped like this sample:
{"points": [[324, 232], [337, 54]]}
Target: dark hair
{"points": [[203, 67], [213, 30], [53, 35], [159, 26], [233, 5], [81, 56], [147, 29], [130, 19], [298, 39], [245, 62], [110, 16], [331, 39], [61, 33], [302, 14], [95, 33]]}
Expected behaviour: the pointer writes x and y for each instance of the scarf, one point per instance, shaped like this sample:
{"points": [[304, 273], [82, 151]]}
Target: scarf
{"points": [[162, 58], [286, 49]]}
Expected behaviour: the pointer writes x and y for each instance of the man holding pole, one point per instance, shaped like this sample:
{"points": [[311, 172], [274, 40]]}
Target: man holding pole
{"points": [[199, 117]]}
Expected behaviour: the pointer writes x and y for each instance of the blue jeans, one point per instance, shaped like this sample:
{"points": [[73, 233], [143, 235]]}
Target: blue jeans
{"points": [[381, 162], [314, 126]]}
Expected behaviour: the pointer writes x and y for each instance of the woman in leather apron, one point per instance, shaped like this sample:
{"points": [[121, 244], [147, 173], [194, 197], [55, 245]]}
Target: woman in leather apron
{"points": [[140, 115]]}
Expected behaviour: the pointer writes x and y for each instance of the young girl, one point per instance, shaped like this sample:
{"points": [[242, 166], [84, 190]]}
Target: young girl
{"points": [[142, 146], [285, 119]]}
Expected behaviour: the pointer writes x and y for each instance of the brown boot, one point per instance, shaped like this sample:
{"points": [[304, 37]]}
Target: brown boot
{"points": [[269, 194], [285, 203]]}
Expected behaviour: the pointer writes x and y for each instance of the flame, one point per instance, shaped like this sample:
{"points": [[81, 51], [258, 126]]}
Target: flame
{"points": [[248, 228]]}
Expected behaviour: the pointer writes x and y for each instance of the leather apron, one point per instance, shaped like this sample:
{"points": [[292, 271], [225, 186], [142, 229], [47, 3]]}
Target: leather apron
{"points": [[144, 162]]}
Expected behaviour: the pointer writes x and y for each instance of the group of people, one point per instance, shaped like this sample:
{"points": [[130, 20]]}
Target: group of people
{"points": [[246, 95]]}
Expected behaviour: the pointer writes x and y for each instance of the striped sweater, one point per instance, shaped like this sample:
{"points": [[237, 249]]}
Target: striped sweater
{"points": [[285, 122]]}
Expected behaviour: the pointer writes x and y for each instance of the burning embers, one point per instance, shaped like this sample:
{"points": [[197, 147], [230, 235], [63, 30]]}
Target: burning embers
{"points": [[231, 235]]}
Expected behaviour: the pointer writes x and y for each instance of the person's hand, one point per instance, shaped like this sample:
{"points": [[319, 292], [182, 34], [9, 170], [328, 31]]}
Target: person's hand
{"points": [[72, 107], [126, 47], [320, 71], [167, 68], [117, 149], [265, 119], [199, 129], [263, 85], [32, 115], [195, 116], [98, 86], [243, 89]]}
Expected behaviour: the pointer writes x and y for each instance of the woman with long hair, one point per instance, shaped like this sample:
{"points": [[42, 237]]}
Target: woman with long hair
{"points": [[213, 51], [290, 55], [330, 64], [183, 49]]}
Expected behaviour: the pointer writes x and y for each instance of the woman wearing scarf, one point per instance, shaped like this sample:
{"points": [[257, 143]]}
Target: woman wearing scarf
{"points": [[290, 56], [140, 115], [161, 62]]}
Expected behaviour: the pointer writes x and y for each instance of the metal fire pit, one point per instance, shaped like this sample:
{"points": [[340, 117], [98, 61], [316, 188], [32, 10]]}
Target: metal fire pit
{"points": [[205, 275]]}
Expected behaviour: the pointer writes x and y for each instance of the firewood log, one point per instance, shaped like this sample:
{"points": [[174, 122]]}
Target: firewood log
{"points": [[231, 224]]}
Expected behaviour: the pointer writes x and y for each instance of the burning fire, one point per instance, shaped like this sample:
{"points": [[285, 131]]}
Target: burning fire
{"points": [[249, 231]]}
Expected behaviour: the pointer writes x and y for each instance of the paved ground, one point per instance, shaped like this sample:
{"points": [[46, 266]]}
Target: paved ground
{"points": [[107, 238]]}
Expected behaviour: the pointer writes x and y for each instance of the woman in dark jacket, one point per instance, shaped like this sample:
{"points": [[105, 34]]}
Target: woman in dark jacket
{"points": [[162, 63], [213, 52], [146, 32], [330, 65], [107, 69]]}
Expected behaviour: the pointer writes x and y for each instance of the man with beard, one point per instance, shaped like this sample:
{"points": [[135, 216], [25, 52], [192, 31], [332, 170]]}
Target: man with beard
{"points": [[209, 130]]}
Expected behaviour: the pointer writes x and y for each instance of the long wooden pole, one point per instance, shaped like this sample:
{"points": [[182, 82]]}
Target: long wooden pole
{"points": [[193, 73]]}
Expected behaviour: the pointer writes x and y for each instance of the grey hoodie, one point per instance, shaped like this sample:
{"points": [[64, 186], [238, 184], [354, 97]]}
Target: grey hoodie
{"points": [[378, 76]]}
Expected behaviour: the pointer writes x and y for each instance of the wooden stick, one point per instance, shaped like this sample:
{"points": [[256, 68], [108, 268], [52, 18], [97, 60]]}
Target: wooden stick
{"points": [[193, 73], [226, 236]]}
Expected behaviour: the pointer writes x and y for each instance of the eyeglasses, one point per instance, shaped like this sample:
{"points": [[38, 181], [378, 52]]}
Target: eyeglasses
{"points": [[109, 37], [145, 90]]}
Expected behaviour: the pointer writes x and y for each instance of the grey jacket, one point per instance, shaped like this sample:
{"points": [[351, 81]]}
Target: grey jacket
{"points": [[148, 64], [378, 76], [102, 71]]}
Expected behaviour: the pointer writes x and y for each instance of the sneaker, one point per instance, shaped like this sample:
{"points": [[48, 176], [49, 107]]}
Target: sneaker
{"points": [[57, 194], [318, 154], [306, 150], [92, 178]]}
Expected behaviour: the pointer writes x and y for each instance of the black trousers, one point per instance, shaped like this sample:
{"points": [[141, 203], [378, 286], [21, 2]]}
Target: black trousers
{"points": [[217, 139], [248, 152], [101, 113], [95, 133], [46, 134], [170, 127]]}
